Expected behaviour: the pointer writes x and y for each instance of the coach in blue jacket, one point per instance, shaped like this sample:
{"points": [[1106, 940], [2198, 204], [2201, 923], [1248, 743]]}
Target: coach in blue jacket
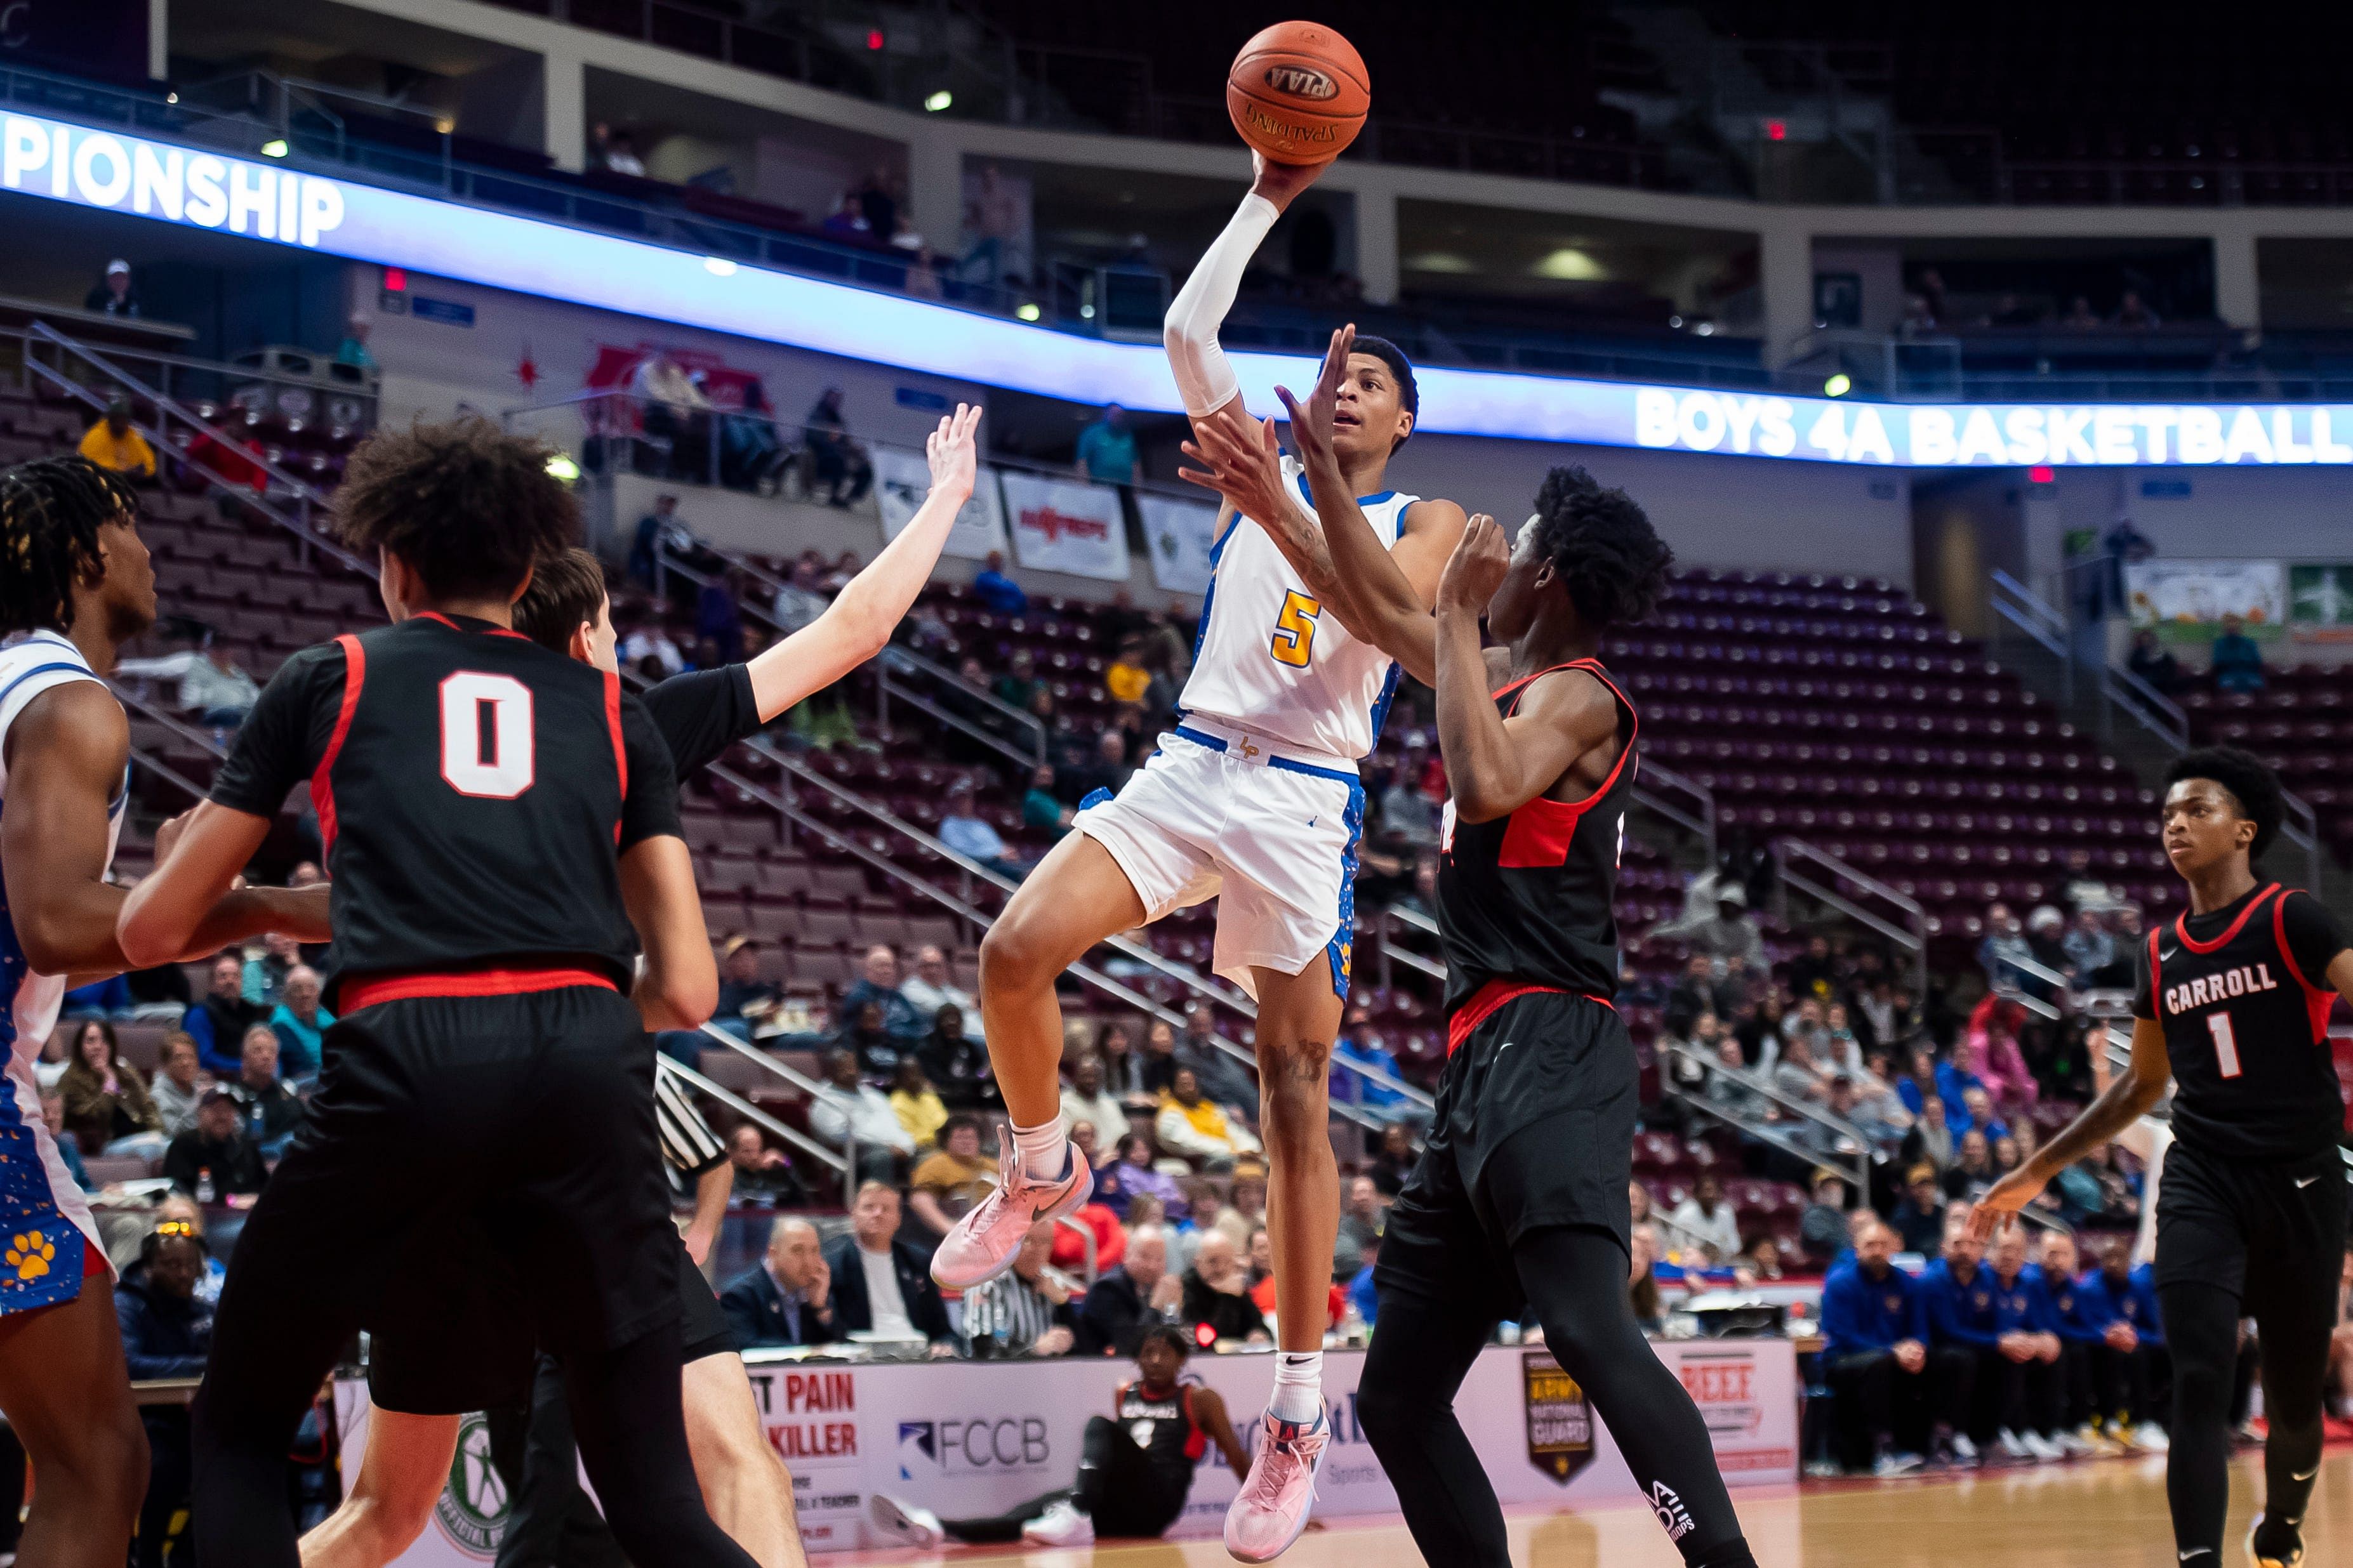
{"points": [[2081, 1323], [1875, 1359], [2132, 1372], [1958, 1293], [167, 1331], [2024, 1385]]}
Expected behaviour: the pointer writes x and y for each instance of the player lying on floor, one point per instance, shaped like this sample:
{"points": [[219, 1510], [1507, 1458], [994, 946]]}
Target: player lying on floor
{"points": [[701, 715], [1135, 1466]]}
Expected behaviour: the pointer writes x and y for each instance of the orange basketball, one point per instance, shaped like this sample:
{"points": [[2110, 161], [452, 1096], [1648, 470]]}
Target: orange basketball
{"points": [[1298, 92]]}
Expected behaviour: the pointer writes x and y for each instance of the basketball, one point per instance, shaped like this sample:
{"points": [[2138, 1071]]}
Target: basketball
{"points": [[1298, 92]]}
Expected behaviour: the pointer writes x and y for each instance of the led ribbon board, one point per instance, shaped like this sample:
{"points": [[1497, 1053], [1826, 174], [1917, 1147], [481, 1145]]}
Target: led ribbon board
{"points": [[268, 202]]}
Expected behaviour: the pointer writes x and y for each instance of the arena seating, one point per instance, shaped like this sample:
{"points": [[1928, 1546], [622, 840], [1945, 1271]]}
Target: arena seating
{"points": [[2299, 724]]}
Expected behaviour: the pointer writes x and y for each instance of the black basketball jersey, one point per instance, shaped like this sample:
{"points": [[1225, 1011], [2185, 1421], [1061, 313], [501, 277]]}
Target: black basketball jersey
{"points": [[1527, 899], [2240, 992], [474, 789], [1163, 1426]]}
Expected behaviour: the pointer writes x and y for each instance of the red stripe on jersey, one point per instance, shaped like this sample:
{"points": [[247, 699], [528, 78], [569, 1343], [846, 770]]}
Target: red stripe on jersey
{"points": [[2181, 924], [358, 993], [2155, 981], [322, 781], [1484, 1002], [620, 753], [2316, 1001], [1539, 833]]}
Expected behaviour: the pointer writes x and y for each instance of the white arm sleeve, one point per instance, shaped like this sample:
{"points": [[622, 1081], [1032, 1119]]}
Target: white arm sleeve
{"points": [[1203, 378]]}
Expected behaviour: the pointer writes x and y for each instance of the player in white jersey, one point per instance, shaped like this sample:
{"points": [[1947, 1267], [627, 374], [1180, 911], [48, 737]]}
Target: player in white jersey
{"points": [[1252, 797], [75, 584]]}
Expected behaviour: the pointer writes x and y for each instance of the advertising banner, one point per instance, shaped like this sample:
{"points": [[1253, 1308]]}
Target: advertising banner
{"points": [[967, 1439], [1181, 533], [1063, 525], [2185, 600], [901, 480], [2320, 602]]}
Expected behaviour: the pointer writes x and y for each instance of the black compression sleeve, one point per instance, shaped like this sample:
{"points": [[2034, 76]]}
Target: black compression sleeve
{"points": [[284, 736], [649, 810], [703, 712]]}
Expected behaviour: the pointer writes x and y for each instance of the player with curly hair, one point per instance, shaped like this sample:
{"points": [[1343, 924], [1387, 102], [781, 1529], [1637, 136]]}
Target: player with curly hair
{"points": [[1518, 1208], [75, 586], [2233, 1008]]}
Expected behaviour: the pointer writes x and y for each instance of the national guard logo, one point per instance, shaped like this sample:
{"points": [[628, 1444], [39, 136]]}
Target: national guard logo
{"points": [[1560, 1418], [473, 1508]]}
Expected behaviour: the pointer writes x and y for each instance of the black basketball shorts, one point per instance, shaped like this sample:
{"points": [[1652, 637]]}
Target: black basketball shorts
{"points": [[2270, 1232], [525, 1118], [1535, 1127]]}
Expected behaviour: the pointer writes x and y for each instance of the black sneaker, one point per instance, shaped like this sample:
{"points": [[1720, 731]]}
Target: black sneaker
{"points": [[2276, 1545]]}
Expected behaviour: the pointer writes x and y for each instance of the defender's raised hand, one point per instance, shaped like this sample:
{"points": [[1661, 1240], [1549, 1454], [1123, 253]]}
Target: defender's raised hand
{"points": [[1476, 568], [953, 450]]}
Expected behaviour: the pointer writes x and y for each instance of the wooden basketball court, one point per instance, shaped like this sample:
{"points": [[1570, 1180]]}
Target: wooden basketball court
{"points": [[2107, 1514]]}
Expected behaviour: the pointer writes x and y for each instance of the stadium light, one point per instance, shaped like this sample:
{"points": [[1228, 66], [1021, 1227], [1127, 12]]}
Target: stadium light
{"points": [[939, 100], [561, 466], [274, 148], [719, 266], [1838, 385], [1028, 311]]}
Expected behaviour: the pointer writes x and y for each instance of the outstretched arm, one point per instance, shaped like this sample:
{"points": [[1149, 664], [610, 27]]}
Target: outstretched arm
{"points": [[1190, 331], [1495, 766], [857, 626], [2128, 1097]]}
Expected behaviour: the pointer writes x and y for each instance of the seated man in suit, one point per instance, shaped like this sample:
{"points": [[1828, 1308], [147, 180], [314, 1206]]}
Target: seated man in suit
{"points": [[787, 1300], [882, 1284]]}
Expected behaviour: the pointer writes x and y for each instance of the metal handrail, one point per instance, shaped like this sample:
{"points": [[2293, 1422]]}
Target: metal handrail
{"points": [[834, 1160], [1767, 1089], [939, 671], [1915, 939], [1651, 771], [1857, 1172]]}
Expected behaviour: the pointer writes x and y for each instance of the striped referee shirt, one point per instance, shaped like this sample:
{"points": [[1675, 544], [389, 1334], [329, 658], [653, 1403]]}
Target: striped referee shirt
{"points": [[1011, 1305], [687, 1140]]}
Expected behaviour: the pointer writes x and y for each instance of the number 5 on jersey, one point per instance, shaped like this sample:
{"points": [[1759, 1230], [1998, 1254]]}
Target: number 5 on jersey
{"points": [[486, 735], [1294, 630]]}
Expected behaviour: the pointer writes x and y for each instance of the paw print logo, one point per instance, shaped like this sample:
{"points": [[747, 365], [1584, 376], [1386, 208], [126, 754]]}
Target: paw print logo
{"points": [[29, 1254]]}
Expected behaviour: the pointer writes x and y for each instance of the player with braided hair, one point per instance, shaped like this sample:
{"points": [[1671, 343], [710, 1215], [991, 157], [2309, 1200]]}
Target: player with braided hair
{"points": [[75, 586]]}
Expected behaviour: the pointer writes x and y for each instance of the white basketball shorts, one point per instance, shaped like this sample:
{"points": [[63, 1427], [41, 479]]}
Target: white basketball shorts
{"points": [[1220, 812]]}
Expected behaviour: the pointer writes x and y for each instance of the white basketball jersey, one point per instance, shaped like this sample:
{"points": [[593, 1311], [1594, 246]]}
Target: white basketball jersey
{"points": [[28, 667], [1271, 658]]}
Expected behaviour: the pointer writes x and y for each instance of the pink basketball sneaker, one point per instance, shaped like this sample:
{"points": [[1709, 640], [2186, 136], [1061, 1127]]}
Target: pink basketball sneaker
{"points": [[983, 1242], [1273, 1507]]}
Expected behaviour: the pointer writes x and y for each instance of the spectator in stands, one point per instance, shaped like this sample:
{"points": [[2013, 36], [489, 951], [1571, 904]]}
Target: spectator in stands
{"points": [[53, 1114], [1919, 1218], [1363, 1217], [879, 982], [353, 350], [1877, 1362], [2080, 314], [112, 294], [719, 611], [1244, 1208], [265, 975], [1018, 686], [1708, 1220], [1695, 993], [2004, 947], [1107, 453], [650, 644], [1026, 1310], [214, 690], [932, 988], [1990, 1050], [1392, 1167], [951, 1178], [832, 457], [1125, 679], [1127, 1301], [615, 152], [272, 1108], [1823, 1229], [1160, 1060], [1123, 1067], [113, 444], [1217, 1291], [883, 1284], [787, 1298], [1715, 921], [847, 1109], [1085, 1098], [1042, 811], [2132, 312], [218, 1020], [1362, 1047], [1133, 1175], [217, 1158], [1223, 1078], [1000, 595], [921, 1110], [761, 1173], [167, 1332], [1643, 1282], [956, 1061], [658, 534], [801, 597], [106, 1102], [2089, 947], [2237, 664], [2155, 666], [963, 830], [180, 1081], [1972, 1170], [1196, 1127], [1796, 1073], [745, 1000], [878, 1050]]}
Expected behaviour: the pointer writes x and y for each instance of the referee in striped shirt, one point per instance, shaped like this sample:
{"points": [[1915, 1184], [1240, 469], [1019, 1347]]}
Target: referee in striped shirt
{"points": [[1025, 1311]]}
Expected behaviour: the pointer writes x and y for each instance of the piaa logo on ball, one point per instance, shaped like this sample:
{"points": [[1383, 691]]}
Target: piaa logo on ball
{"points": [[1300, 81], [473, 1507]]}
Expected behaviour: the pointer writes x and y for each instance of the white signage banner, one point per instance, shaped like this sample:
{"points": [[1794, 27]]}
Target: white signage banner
{"points": [[901, 480], [2190, 598], [1181, 534], [1064, 525], [969, 1438]]}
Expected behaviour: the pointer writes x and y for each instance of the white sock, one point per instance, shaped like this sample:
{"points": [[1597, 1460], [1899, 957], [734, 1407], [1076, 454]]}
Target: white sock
{"points": [[1045, 1151], [1298, 1386]]}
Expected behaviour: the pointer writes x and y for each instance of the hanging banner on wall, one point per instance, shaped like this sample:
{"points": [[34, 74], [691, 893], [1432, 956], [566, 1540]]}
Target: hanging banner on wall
{"points": [[901, 480], [2320, 602], [2185, 600], [1062, 525], [1180, 533]]}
